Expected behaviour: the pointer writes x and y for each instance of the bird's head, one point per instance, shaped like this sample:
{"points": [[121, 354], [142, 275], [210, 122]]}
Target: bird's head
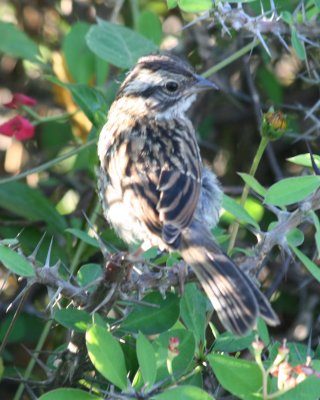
{"points": [[164, 84]]}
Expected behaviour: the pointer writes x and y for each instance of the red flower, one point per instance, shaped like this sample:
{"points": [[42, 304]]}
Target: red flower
{"points": [[19, 99], [19, 127]]}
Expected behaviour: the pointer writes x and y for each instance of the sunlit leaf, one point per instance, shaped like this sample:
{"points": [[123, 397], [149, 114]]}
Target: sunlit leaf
{"points": [[107, 356], [240, 377], [172, 4], [68, 394], [185, 392], [195, 6], [147, 360], [253, 183], [292, 190], [236, 210], [305, 160]]}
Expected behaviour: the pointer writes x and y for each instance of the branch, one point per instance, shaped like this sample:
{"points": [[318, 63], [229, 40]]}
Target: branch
{"points": [[277, 236]]}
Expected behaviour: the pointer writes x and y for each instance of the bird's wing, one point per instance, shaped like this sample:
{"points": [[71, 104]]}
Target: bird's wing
{"points": [[179, 186]]}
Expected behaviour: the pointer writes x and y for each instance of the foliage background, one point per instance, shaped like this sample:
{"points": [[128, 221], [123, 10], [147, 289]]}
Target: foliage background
{"points": [[264, 54]]}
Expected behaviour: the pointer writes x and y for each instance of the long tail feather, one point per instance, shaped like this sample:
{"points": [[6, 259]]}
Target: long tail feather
{"points": [[237, 301]]}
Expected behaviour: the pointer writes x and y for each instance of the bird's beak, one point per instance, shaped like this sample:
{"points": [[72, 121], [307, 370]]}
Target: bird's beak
{"points": [[203, 84]]}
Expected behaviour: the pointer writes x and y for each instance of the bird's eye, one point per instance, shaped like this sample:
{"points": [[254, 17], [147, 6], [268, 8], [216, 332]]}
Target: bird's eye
{"points": [[172, 86]]}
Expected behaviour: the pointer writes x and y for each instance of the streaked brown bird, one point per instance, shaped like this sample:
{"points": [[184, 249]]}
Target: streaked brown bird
{"points": [[155, 190]]}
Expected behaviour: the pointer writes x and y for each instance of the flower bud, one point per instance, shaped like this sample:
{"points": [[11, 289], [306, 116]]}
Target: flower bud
{"points": [[274, 125]]}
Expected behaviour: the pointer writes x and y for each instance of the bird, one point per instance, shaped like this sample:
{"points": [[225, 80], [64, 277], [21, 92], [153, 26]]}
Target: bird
{"points": [[155, 190]]}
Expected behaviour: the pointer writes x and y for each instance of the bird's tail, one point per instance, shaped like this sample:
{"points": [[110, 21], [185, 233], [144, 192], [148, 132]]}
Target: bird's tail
{"points": [[236, 299]]}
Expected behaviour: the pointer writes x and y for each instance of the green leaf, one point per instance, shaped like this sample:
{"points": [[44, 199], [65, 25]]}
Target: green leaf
{"points": [[253, 183], [195, 6], [90, 66], [68, 394], [310, 265], [292, 190], [73, 318], [88, 274], [26, 328], [186, 392], [239, 212], [270, 85], [181, 361], [152, 320], [16, 43], [317, 3], [74, 44], [15, 262], [107, 356], [31, 204], [263, 331], [147, 360], [295, 237], [229, 343], [193, 311], [316, 222], [149, 25], [118, 45], [287, 17], [305, 160], [1, 368], [83, 236], [91, 101], [172, 4], [240, 377], [297, 44]]}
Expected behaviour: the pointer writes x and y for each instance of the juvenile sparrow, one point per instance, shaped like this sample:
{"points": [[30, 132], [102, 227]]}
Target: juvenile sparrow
{"points": [[155, 190]]}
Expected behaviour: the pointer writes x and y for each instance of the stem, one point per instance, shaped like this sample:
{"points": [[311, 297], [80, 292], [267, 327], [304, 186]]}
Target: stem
{"points": [[256, 161], [14, 320], [135, 12], [82, 245], [50, 163], [249, 47], [55, 118], [32, 362]]}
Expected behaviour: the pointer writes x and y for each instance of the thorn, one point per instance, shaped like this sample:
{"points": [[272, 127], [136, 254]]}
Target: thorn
{"points": [[26, 386], [264, 44], [313, 162], [224, 27], [33, 255], [102, 245], [312, 110], [54, 300], [37, 360], [20, 295], [273, 7], [283, 42], [309, 349], [47, 263]]}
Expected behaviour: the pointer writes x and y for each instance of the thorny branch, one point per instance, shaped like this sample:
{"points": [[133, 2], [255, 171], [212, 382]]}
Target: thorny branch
{"points": [[123, 283]]}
